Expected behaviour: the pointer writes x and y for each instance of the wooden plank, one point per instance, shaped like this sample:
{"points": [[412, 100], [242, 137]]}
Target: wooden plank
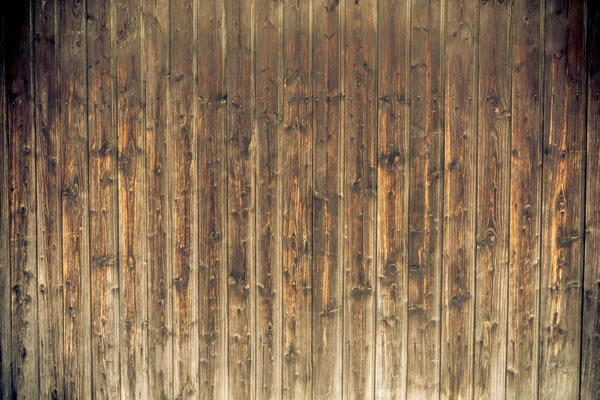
{"points": [[590, 336], [493, 197], [296, 176], [75, 218], [184, 194], [212, 174], [240, 199], [360, 192], [6, 386], [327, 67], [132, 200], [156, 27], [460, 74], [269, 109], [563, 198], [50, 274], [525, 201], [425, 199], [103, 200], [22, 204], [392, 72]]}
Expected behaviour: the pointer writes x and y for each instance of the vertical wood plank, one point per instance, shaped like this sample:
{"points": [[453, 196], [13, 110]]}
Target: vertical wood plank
{"points": [[75, 217], [22, 203], [212, 201], [493, 191], [6, 386], [184, 196], [392, 72], [50, 282], [425, 199], [327, 65], [590, 361], [360, 191], [268, 114], [296, 201], [525, 201], [103, 200], [132, 201], [240, 198], [157, 28], [461, 30], [563, 197]]}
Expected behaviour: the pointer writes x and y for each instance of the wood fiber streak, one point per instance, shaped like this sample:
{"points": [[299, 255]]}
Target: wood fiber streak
{"points": [[360, 203], [392, 71], [212, 192], [425, 199], [327, 171], [525, 200], [103, 206], [460, 119], [268, 117], [563, 199], [493, 196], [50, 274], [296, 201]]}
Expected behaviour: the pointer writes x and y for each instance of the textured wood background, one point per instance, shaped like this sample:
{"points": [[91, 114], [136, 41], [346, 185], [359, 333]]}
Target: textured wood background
{"points": [[300, 199]]}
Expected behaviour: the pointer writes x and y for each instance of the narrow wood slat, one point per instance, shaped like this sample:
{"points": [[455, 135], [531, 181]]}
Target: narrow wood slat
{"points": [[184, 197], [240, 199], [360, 193], [268, 116], [157, 28], [493, 196], [590, 336], [212, 176], [525, 201], [132, 201], [392, 191], [425, 199], [6, 386], [75, 203], [327, 148], [48, 144], [460, 75], [296, 201], [563, 198], [103, 199]]}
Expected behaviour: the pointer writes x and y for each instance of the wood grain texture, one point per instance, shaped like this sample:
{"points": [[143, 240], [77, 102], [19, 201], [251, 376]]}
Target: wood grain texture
{"points": [[48, 197], [525, 200], [296, 200], [22, 204], [241, 223], [156, 28], [563, 198], [360, 192], [269, 218], [590, 335], [460, 69], [212, 193], [103, 203], [75, 204], [327, 233], [184, 198], [392, 191], [6, 387], [132, 200], [425, 199], [493, 196]]}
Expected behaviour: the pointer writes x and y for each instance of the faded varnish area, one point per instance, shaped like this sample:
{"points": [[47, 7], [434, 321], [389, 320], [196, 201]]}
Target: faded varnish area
{"points": [[326, 199]]}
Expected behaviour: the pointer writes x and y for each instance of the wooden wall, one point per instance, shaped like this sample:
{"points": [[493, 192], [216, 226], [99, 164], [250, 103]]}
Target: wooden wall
{"points": [[300, 199]]}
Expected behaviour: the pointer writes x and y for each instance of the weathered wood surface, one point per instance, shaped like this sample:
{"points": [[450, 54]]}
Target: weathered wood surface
{"points": [[299, 199]]}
